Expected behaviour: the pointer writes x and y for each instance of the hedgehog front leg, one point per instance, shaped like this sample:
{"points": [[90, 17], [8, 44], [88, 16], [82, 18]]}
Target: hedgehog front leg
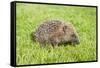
{"points": [[54, 43], [42, 43]]}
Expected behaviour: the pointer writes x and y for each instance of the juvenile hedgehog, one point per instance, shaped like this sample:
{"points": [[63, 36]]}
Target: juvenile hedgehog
{"points": [[56, 32]]}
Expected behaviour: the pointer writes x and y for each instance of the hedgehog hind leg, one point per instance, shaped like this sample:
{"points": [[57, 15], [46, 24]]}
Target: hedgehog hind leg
{"points": [[42, 44]]}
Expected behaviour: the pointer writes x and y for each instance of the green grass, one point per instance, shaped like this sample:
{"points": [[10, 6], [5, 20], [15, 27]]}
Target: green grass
{"points": [[30, 16]]}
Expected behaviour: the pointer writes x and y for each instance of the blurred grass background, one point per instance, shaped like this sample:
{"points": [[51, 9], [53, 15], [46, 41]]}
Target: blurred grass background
{"points": [[30, 16]]}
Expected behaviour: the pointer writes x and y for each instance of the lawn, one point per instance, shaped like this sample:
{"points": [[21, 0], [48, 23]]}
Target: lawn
{"points": [[30, 16]]}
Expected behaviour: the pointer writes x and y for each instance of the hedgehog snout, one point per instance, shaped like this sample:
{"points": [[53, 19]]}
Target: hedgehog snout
{"points": [[75, 39]]}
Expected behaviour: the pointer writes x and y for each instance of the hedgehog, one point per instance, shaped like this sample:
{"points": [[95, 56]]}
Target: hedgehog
{"points": [[56, 32]]}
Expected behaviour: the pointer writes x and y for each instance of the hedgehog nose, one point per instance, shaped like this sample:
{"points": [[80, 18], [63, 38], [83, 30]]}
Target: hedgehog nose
{"points": [[77, 41]]}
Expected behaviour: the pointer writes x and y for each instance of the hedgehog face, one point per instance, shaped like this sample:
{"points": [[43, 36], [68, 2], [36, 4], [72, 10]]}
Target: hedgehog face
{"points": [[74, 39], [70, 34]]}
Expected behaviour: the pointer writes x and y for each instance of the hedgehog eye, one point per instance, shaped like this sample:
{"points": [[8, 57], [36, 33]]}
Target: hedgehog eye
{"points": [[73, 35], [64, 28]]}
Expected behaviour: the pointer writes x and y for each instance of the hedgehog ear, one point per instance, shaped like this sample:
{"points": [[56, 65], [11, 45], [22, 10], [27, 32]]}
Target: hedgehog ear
{"points": [[64, 28]]}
